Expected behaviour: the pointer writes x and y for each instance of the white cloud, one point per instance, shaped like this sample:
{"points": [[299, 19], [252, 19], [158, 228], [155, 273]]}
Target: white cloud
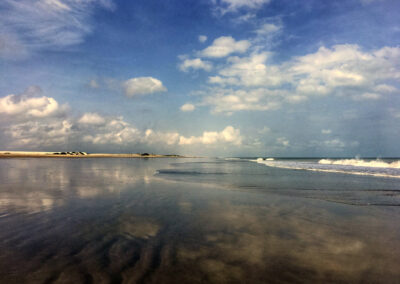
{"points": [[230, 100], [228, 135], [28, 123], [40, 133], [187, 107], [282, 141], [245, 18], [250, 71], [34, 25], [38, 107], [326, 131], [143, 86], [367, 96], [385, 88], [27, 106], [335, 143], [252, 83], [91, 118], [195, 64], [224, 46], [170, 138], [225, 6], [56, 5], [294, 99], [115, 131], [268, 29], [268, 35], [344, 66], [202, 38]]}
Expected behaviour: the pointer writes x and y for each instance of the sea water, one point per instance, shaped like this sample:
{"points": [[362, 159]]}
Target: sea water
{"points": [[199, 220]]}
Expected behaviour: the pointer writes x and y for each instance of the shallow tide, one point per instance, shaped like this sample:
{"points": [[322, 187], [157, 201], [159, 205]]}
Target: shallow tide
{"points": [[193, 220]]}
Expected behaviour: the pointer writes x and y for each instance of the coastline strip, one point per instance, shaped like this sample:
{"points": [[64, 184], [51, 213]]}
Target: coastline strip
{"points": [[25, 154]]}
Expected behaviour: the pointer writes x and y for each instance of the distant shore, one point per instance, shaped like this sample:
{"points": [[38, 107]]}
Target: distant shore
{"points": [[28, 154]]}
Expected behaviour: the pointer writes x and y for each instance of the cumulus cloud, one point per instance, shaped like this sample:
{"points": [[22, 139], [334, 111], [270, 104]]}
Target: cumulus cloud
{"points": [[31, 123], [231, 100], [143, 86], [202, 38], [294, 99], [195, 64], [267, 35], [252, 82], [91, 118], [329, 70], [37, 107], [114, 131], [170, 138], [26, 105], [50, 24], [228, 135], [187, 107], [250, 71], [40, 133], [224, 46]]}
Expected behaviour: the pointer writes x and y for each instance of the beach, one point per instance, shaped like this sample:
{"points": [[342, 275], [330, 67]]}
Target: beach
{"points": [[31, 154], [194, 221]]}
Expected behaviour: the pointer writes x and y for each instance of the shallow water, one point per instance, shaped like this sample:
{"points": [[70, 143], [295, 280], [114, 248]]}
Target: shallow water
{"points": [[193, 220]]}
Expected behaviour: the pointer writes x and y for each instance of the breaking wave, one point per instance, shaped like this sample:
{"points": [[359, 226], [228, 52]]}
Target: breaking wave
{"points": [[378, 168], [361, 163]]}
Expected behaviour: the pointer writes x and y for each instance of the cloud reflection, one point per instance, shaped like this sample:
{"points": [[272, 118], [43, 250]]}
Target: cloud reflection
{"points": [[31, 185], [239, 238], [115, 222]]}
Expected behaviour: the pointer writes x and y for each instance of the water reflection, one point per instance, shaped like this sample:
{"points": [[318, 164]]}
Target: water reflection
{"points": [[112, 221], [32, 186], [282, 242], [141, 228]]}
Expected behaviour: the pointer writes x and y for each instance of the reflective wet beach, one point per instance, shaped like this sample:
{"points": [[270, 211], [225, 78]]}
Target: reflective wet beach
{"points": [[190, 221]]}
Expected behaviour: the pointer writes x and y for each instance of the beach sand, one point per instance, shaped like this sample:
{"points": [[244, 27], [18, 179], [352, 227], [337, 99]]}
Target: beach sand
{"points": [[28, 154]]}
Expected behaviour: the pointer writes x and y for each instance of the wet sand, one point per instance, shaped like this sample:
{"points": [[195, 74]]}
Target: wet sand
{"points": [[133, 221]]}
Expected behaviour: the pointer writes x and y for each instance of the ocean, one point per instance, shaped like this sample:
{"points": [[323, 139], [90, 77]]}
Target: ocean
{"points": [[202, 220]]}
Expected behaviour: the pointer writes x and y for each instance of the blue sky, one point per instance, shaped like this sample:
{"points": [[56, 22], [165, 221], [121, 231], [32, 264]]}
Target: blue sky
{"points": [[210, 77]]}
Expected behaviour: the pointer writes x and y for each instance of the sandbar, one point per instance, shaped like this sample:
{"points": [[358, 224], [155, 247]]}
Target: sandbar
{"points": [[31, 154]]}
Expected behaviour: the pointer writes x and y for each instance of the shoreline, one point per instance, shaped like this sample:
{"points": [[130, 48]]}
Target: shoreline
{"points": [[26, 154]]}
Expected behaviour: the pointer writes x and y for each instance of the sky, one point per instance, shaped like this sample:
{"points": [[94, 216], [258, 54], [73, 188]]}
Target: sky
{"points": [[294, 78]]}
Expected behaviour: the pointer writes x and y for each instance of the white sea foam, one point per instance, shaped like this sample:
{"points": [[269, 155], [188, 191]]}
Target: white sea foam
{"points": [[361, 163], [267, 159], [376, 168]]}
